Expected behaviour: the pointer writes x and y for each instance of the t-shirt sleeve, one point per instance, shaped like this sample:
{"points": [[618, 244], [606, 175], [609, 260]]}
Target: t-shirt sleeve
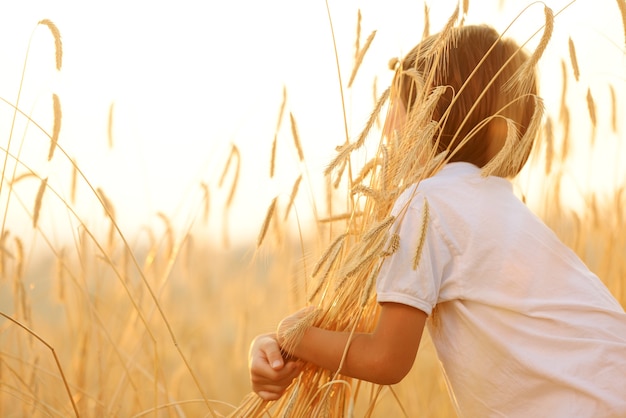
{"points": [[412, 275]]}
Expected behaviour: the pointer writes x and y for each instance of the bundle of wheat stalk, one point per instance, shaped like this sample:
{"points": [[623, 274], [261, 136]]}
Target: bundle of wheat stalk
{"points": [[346, 272]]}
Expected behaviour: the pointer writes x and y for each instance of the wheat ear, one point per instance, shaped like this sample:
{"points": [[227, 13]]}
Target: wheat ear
{"points": [[296, 136], [266, 222], [292, 197], [621, 4], [58, 46], [206, 200], [110, 125], [422, 240], [591, 105], [108, 207], [613, 108], [56, 127], [573, 59], [360, 56], [549, 145], [522, 78], [38, 200]]}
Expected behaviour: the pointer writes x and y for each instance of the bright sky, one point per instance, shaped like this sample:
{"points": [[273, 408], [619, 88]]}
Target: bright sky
{"points": [[189, 78]]}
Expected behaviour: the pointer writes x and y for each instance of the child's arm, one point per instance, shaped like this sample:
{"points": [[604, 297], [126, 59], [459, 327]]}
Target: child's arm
{"points": [[384, 356]]}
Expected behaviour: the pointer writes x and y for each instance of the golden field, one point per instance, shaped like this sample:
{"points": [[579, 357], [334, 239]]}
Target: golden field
{"points": [[105, 320]]}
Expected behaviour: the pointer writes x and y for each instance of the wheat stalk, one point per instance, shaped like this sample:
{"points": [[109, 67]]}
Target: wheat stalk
{"points": [[54, 355]]}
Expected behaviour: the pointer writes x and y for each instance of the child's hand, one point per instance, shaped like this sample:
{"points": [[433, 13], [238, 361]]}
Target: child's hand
{"points": [[270, 374]]}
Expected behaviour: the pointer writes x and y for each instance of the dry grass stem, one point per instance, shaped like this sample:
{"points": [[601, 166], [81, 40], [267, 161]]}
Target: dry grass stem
{"points": [[292, 197], [422, 240], [573, 59], [58, 46], [296, 136], [337, 243], [38, 200], [56, 128], [56, 359], [266, 222]]}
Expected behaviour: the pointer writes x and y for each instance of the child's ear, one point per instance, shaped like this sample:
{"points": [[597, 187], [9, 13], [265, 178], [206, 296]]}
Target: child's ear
{"points": [[496, 135]]}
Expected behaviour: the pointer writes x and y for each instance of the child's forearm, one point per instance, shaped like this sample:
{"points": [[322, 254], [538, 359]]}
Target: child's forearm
{"points": [[367, 357]]}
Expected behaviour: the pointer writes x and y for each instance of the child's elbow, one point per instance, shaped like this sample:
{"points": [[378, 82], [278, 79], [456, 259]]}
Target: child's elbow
{"points": [[391, 371]]}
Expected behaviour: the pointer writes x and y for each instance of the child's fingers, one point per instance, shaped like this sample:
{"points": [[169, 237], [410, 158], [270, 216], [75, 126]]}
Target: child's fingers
{"points": [[271, 386]]}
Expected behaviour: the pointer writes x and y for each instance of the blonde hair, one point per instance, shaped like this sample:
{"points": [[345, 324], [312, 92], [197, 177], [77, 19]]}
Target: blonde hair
{"points": [[477, 67]]}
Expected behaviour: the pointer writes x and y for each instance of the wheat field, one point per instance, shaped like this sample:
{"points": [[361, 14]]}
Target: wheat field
{"points": [[113, 321]]}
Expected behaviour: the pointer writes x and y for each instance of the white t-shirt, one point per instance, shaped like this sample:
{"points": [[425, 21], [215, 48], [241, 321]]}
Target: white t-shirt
{"points": [[521, 326]]}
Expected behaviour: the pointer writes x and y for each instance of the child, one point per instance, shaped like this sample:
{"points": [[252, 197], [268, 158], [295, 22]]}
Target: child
{"points": [[521, 326]]}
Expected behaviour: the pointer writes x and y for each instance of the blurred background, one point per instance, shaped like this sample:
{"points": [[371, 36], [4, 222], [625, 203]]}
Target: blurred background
{"points": [[170, 111]]}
